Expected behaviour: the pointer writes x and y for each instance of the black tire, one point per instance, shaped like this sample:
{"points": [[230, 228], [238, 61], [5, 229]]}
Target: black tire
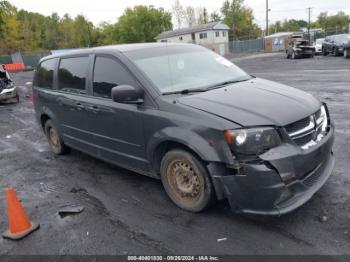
{"points": [[324, 52], [336, 52], [17, 98], [55, 141], [186, 181]]}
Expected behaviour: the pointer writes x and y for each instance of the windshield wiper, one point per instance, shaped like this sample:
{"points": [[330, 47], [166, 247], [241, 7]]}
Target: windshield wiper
{"points": [[186, 91], [225, 83], [207, 88]]}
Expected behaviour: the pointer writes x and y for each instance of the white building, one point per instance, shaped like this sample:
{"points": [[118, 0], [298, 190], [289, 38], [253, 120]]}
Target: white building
{"points": [[212, 35]]}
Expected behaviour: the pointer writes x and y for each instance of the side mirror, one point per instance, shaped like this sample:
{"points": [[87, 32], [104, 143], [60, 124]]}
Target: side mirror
{"points": [[127, 94]]}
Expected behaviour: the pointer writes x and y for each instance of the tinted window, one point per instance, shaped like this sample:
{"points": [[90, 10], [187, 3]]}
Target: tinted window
{"points": [[72, 74], [44, 74], [109, 73]]}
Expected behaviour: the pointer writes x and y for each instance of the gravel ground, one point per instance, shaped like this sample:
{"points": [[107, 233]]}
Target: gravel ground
{"points": [[126, 213]]}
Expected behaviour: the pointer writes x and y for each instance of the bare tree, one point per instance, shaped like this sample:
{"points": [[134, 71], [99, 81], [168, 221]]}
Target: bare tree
{"points": [[178, 11], [190, 16], [200, 19]]}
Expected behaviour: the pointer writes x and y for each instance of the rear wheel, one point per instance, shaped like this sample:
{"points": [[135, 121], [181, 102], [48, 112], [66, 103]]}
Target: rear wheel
{"points": [[54, 139], [186, 181], [324, 52]]}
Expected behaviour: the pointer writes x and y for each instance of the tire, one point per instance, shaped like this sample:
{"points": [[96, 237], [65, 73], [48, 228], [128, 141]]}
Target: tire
{"points": [[186, 181], [336, 52], [55, 141], [294, 55], [324, 52]]}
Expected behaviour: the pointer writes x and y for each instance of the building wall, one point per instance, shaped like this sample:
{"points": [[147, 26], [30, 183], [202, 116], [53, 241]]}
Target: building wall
{"points": [[218, 44]]}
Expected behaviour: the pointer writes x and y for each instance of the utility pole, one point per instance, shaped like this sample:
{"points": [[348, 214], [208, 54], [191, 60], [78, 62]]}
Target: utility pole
{"points": [[308, 26], [267, 18], [205, 15]]}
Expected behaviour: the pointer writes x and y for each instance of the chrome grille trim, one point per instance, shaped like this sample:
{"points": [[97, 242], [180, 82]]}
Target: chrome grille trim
{"points": [[311, 126], [307, 132]]}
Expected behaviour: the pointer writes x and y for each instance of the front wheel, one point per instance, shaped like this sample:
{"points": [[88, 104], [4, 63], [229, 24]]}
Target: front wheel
{"points": [[186, 181], [54, 139]]}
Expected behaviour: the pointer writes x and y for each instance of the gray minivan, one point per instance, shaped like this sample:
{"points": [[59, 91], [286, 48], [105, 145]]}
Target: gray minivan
{"points": [[185, 115]]}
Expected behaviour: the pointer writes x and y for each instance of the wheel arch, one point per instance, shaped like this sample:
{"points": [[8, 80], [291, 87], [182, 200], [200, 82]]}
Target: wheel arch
{"points": [[47, 114], [176, 137]]}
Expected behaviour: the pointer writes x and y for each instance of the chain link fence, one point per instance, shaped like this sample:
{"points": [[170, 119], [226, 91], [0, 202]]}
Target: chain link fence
{"points": [[251, 45], [30, 60]]}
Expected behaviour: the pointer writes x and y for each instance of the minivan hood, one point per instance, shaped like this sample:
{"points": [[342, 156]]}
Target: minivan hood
{"points": [[255, 102]]}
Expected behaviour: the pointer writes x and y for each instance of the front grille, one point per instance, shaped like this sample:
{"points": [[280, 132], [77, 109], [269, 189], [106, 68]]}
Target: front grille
{"points": [[305, 132], [297, 125], [304, 139]]}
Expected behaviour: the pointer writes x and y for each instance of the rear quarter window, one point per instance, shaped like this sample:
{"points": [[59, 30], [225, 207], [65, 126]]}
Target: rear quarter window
{"points": [[72, 74], [44, 74]]}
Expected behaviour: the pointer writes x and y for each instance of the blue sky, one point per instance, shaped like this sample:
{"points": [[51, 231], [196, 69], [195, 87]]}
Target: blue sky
{"points": [[110, 10]]}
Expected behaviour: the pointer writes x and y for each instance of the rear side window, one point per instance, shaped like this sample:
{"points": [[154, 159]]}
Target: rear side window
{"points": [[44, 74], [109, 73], [72, 74]]}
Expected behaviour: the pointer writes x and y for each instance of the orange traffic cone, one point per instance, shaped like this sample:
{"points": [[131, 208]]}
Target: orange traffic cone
{"points": [[19, 224]]}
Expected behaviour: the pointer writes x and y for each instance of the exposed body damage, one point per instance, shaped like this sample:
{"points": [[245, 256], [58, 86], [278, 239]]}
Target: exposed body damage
{"points": [[7, 89], [300, 48], [285, 178]]}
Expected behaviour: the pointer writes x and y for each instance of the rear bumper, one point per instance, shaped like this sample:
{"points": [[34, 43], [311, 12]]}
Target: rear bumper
{"points": [[8, 93], [287, 179]]}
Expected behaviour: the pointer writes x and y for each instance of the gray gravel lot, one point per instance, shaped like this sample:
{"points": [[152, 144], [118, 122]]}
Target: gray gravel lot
{"points": [[126, 213]]}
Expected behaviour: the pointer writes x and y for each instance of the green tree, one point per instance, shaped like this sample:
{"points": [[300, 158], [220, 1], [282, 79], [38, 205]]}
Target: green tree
{"points": [[240, 19], [142, 24], [82, 32], [52, 35], [8, 28], [334, 23], [291, 25], [215, 17]]}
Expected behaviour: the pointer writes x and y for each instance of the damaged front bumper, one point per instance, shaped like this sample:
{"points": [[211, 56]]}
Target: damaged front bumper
{"points": [[8, 93], [284, 179]]}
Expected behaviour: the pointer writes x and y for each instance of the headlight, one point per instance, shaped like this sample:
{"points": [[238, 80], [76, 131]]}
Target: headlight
{"points": [[324, 119], [252, 141], [322, 123]]}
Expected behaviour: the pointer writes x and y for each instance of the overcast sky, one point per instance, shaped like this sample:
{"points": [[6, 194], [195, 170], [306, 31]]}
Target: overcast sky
{"points": [[98, 11]]}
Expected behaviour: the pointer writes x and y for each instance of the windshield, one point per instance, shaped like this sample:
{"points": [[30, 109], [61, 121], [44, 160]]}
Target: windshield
{"points": [[174, 68]]}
